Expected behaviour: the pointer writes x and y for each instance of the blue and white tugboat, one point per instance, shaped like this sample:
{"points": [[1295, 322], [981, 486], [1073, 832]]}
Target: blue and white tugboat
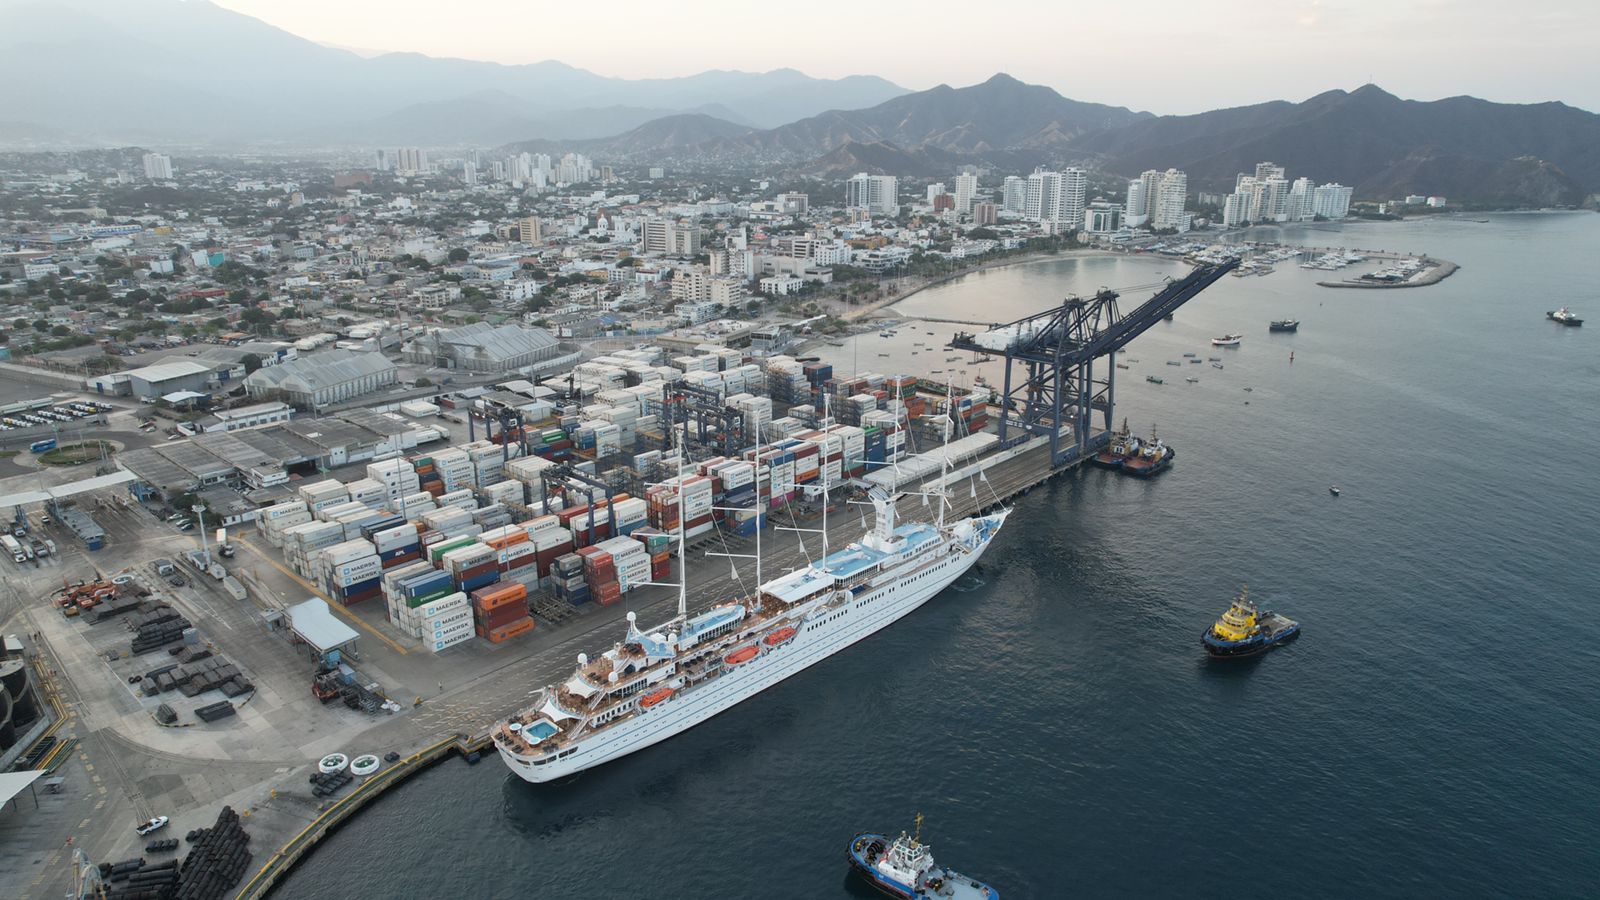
{"points": [[904, 867]]}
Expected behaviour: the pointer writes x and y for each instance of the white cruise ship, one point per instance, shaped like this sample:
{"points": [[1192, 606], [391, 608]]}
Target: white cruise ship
{"points": [[658, 683]]}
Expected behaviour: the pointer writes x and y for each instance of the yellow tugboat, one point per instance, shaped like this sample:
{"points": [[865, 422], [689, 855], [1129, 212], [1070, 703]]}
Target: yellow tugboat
{"points": [[1245, 631]]}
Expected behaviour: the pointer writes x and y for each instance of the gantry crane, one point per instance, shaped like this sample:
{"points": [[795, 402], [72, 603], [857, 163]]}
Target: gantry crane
{"points": [[1050, 380]]}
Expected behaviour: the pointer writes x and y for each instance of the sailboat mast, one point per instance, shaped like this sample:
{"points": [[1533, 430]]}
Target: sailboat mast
{"points": [[683, 553]]}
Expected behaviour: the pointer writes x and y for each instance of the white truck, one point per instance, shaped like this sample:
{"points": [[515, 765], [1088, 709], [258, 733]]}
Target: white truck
{"points": [[14, 547]]}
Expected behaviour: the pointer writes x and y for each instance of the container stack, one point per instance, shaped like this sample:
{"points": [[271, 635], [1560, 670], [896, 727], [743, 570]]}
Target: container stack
{"points": [[394, 598], [450, 521], [436, 551], [658, 544], [505, 492], [696, 510], [587, 524], [397, 545], [631, 560], [412, 506], [853, 447], [500, 612], [368, 493], [446, 622], [427, 475], [302, 543], [398, 477], [629, 513], [520, 563], [458, 499], [274, 519], [549, 541], [353, 571], [323, 493], [492, 516], [488, 460], [600, 574], [454, 469], [567, 581], [529, 470], [471, 567]]}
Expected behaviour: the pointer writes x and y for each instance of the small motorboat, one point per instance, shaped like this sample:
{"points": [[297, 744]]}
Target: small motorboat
{"points": [[1216, 365], [1334, 490], [1153, 379], [1227, 340], [1192, 380]]}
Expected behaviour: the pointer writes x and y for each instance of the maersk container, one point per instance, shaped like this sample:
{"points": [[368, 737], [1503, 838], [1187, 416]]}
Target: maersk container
{"points": [[484, 580], [387, 523]]}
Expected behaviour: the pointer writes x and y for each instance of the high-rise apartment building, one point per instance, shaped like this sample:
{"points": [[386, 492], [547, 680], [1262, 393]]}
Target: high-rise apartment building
{"points": [[877, 194], [158, 166], [1168, 203], [984, 213], [1057, 197], [1331, 201], [529, 230], [1136, 211], [935, 191], [966, 189], [411, 161], [1014, 194]]}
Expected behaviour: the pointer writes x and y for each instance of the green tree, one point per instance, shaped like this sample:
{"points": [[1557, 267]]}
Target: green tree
{"points": [[459, 254], [251, 362], [61, 331]]}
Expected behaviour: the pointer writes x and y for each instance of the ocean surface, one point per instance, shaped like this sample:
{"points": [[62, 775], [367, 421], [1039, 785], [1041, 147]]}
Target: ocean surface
{"points": [[1433, 733]]}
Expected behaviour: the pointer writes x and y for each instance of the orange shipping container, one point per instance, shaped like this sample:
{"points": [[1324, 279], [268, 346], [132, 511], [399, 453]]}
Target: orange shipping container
{"points": [[507, 632], [508, 540], [493, 598]]}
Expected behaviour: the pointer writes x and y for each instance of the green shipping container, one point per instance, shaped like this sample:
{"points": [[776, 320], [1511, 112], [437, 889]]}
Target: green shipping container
{"points": [[414, 602], [437, 551]]}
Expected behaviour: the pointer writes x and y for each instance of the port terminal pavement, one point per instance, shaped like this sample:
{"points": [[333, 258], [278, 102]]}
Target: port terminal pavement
{"points": [[258, 761]]}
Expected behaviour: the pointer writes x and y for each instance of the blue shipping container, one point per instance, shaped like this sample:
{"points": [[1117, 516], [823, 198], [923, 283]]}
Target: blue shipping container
{"points": [[360, 587], [367, 531], [484, 580]]}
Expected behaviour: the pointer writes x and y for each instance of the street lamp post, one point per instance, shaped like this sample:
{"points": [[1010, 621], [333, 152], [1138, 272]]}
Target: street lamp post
{"points": [[200, 523]]}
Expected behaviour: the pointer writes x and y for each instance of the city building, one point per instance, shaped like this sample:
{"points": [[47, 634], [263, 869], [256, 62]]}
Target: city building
{"points": [[529, 230], [323, 378], [482, 347], [877, 194], [257, 415], [1167, 205], [966, 190], [935, 191], [158, 166], [668, 237], [1331, 201], [411, 161], [1102, 218], [1136, 210], [984, 213], [1014, 194], [1057, 197]]}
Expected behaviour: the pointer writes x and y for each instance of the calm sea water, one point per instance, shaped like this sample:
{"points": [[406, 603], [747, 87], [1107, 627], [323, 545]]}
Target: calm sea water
{"points": [[1433, 733]]}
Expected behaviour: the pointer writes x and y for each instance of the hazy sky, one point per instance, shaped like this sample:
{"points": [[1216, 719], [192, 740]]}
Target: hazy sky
{"points": [[1159, 55]]}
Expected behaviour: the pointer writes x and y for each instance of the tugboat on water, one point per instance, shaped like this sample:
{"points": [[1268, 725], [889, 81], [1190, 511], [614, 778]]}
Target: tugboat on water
{"points": [[1245, 631], [1123, 445], [1151, 457], [904, 868], [1284, 325], [1564, 316]]}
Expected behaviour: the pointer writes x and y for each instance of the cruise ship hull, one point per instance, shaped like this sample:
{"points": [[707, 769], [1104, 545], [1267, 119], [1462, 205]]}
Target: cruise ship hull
{"points": [[820, 634]]}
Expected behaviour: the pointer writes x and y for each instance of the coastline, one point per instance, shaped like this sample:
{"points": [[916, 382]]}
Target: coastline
{"points": [[871, 310]]}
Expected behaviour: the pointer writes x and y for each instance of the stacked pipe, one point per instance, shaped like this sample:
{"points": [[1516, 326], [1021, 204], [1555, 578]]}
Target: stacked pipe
{"points": [[157, 628], [217, 860]]}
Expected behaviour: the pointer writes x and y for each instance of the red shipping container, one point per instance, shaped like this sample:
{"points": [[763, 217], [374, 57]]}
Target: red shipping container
{"points": [[606, 595], [502, 616], [413, 556]]}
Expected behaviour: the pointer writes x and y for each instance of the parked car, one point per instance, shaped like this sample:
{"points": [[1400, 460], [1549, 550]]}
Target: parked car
{"points": [[152, 826]]}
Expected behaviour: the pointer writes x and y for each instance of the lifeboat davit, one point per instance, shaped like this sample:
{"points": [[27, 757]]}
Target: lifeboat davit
{"points": [[655, 696], [779, 637], [742, 655]]}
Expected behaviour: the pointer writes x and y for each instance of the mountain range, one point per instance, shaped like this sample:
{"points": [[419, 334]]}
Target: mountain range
{"points": [[188, 72]]}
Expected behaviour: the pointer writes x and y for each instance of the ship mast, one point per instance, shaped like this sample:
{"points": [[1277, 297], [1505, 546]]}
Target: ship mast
{"points": [[683, 553]]}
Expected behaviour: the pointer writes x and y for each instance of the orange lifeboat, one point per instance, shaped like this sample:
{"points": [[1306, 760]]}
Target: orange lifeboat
{"points": [[779, 637], [742, 655], [655, 696]]}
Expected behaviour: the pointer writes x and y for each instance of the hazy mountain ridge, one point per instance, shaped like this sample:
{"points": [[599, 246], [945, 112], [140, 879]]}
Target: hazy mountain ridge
{"points": [[1459, 147], [207, 74]]}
